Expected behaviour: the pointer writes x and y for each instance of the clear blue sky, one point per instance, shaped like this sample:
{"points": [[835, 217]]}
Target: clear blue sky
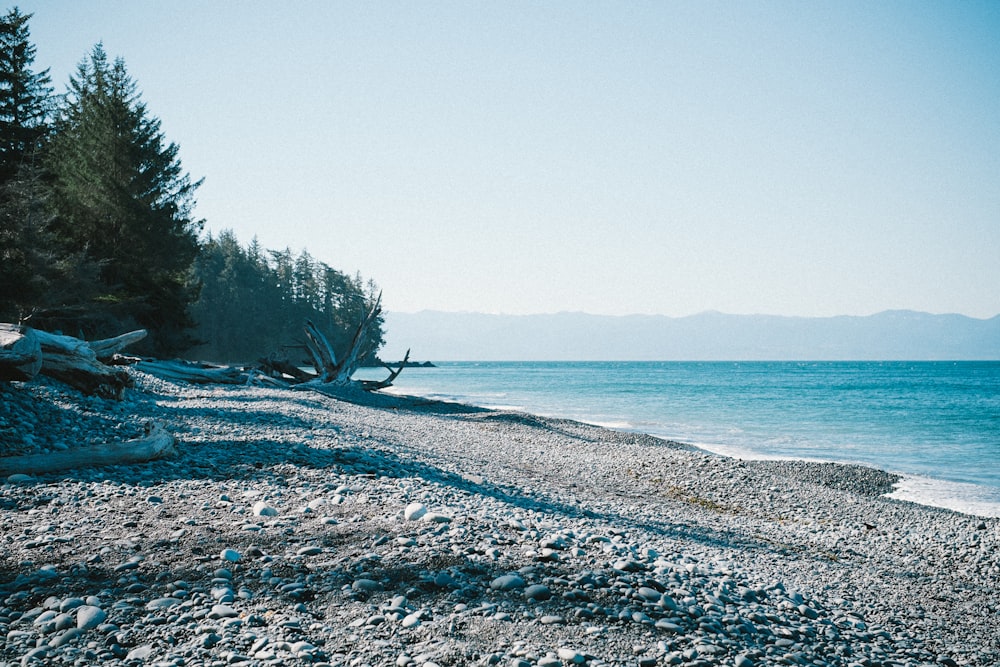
{"points": [[792, 158]]}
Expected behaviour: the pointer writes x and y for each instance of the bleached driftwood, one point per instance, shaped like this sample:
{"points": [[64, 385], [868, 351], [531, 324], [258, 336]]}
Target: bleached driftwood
{"points": [[71, 360], [156, 445], [375, 385], [107, 348], [193, 373], [20, 353], [279, 367], [321, 352], [328, 369]]}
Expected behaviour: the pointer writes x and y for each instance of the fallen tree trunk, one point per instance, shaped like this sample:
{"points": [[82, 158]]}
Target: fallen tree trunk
{"points": [[274, 365], [72, 361], [375, 385], [20, 353], [106, 349], [158, 444], [328, 369], [193, 373]]}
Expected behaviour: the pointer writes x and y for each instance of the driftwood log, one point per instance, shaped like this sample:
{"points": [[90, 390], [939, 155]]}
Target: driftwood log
{"points": [[73, 361], [108, 348], [25, 352], [328, 369], [20, 353], [280, 367], [156, 445], [193, 372], [375, 385]]}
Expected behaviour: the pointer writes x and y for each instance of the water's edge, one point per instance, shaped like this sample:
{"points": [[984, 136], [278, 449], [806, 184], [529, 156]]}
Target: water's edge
{"points": [[970, 498]]}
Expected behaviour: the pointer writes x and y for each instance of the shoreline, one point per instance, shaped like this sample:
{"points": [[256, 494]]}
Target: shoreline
{"points": [[963, 497], [295, 528]]}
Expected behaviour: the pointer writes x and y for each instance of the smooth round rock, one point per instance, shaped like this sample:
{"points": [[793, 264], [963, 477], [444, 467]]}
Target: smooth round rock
{"points": [[161, 603], [309, 551], [366, 585], [90, 617], [414, 511], [71, 603], [538, 592], [507, 582], [222, 611], [571, 656], [260, 508], [649, 594], [230, 555]]}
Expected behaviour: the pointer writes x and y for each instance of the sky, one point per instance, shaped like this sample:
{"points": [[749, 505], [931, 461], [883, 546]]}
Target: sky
{"points": [[788, 158]]}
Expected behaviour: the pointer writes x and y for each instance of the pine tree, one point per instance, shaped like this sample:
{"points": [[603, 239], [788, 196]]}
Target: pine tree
{"points": [[39, 271], [24, 96], [120, 192]]}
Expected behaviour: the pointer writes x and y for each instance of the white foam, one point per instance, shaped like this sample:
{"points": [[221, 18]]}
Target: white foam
{"points": [[960, 497], [972, 499]]}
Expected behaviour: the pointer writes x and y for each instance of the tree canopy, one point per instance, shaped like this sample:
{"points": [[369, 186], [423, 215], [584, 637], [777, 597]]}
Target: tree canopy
{"points": [[98, 233], [253, 302], [118, 190]]}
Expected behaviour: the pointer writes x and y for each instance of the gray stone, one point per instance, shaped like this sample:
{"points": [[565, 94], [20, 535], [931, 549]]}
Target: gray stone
{"points": [[140, 653], [309, 551], [507, 582], [649, 594], [161, 603], [71, 603], [414, 511], [366, 586], [222, 611], [90, 617], [230, 555], [261, 508], [571, 656], [538, 592]]}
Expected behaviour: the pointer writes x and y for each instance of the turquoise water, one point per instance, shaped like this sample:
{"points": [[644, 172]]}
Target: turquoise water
{"points": [[938, 423]]}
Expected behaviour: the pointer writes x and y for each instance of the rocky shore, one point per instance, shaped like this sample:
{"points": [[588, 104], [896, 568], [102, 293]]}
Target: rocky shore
{"points": [[294, 528]]}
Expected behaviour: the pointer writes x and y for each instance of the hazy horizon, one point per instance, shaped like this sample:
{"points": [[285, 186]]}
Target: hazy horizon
{"points": [[694, 314], [890, 335], [798, 158]]}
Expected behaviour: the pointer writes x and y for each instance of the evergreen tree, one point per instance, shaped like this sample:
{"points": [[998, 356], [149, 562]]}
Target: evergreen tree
{"points": [[39, 272], [24, 96], [251, 307], [119, 192]]}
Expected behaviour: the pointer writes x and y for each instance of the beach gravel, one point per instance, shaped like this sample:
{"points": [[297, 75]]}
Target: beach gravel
{"points": [[295, 528]]}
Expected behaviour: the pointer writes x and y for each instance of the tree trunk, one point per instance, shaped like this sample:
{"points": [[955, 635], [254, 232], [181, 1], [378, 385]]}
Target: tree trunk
{"points": [[72, 361], [158, 444], [321, 352], [274, 365], [20, 353], [106, 349], [193, 373], [375, 385], [324, 358]]}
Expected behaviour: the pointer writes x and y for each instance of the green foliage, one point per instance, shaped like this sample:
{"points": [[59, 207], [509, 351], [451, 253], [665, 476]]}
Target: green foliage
{"points": [[254, 303], [97, 234], [39, 271], [119, 193], [24, 96]]}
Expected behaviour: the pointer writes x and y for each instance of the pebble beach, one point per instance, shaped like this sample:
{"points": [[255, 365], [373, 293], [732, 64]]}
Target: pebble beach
{"points": [[299, 528]]}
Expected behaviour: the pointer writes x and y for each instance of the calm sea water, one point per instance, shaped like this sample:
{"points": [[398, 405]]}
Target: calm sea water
{"points": [[937, 423]]}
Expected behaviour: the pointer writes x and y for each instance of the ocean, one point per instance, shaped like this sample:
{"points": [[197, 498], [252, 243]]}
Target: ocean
{"points": [[935, 423]]}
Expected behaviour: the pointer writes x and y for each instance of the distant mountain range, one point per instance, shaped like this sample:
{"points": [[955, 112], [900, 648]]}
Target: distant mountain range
{"points": [[897, 334]]}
